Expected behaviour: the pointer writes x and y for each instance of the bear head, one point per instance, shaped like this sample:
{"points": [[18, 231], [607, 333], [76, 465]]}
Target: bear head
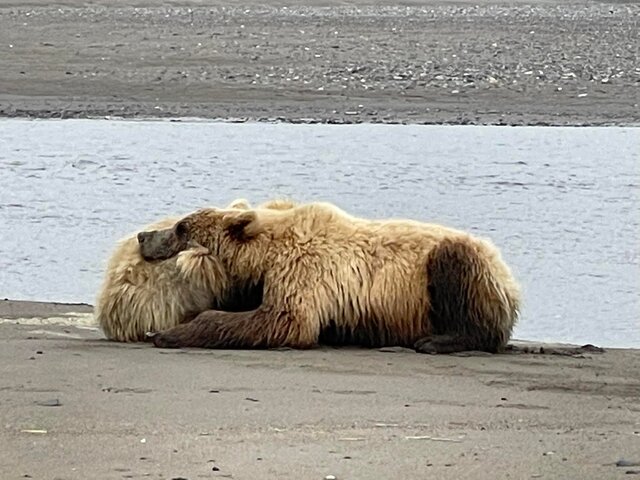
{"points": [[208, 228]]}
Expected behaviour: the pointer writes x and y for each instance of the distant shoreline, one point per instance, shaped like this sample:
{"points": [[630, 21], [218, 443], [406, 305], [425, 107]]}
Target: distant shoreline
{"points": [[464, 63], [320, 121]]}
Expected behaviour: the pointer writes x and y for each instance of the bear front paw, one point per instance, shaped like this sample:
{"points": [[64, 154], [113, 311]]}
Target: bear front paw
{"points": [[162, 340], [426, 345], [440, 344]]}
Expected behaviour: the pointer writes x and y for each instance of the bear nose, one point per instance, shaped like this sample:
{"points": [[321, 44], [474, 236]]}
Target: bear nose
{"points": [[142, 236]]}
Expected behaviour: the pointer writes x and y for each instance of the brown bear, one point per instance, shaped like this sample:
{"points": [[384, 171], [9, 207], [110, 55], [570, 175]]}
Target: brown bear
{"points": [[138, 296], [331, 277]]}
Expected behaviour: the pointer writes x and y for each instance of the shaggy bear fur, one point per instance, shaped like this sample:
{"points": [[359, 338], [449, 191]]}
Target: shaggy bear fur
{"points": [[138, 296], [333, 277]]}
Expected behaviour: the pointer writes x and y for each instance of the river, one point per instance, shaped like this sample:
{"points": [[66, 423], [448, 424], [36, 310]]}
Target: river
{"points": [[561, 203]]}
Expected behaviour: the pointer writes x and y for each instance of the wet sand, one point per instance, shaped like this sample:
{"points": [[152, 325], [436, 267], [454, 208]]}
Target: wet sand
{"points": [[75, 406], [458, 62]]}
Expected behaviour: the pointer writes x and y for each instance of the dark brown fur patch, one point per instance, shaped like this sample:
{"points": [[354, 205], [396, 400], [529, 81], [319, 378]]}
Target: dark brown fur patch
{"points": [[457, 314], [241, 298]]}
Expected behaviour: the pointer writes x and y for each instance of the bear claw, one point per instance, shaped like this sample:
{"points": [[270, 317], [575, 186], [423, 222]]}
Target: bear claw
{"points": [[163, 341]]}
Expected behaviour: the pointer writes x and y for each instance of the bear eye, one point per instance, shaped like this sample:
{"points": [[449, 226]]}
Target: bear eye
{"points": [[182, 229]]}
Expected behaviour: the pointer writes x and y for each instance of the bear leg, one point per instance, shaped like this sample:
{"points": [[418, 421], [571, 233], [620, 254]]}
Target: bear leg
{"points": [[470, 306], [254, 329], [163, 340]]}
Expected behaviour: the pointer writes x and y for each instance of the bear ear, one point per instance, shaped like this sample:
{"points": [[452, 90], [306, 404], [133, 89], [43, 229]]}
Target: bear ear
{"points": [[242, 225], [240, 204]]}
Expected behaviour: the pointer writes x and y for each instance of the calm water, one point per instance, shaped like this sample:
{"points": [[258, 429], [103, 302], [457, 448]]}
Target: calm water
{"points": [[562, 203]]}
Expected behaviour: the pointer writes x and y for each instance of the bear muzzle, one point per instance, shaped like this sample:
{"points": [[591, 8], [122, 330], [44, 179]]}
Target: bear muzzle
{"points": [[160, 244]]}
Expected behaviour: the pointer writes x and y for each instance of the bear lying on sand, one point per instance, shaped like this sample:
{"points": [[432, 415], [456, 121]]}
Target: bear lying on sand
{"points": [[138, 296], [328, 276]]}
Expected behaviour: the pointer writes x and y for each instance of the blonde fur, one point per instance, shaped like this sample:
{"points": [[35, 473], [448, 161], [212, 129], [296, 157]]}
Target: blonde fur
{"points": [[139, 296], [331, 276]]}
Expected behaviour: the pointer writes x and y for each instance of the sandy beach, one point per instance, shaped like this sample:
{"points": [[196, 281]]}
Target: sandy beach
{"points": [[455, 62], [75, 406]]}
